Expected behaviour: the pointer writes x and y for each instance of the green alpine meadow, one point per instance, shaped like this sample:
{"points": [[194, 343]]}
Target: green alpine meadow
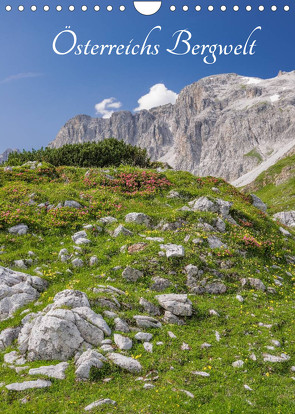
{"points": [[129, 287]]}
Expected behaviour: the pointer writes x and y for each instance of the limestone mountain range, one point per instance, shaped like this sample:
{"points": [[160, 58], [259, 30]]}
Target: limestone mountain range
{"points": [[225, 125]]}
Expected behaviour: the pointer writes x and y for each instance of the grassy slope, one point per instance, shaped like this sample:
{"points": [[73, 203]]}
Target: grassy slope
{"points": [[238, 324], [280, 196]]}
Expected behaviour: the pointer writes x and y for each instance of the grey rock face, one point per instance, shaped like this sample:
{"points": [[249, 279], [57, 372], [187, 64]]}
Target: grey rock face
{"points": [[210, 130], [58, 333], [20, 229], [16, 290], [138, 218], [177, 304], [286, 217], [52, 371], [126, 363], [215, 243], [258, 203]]}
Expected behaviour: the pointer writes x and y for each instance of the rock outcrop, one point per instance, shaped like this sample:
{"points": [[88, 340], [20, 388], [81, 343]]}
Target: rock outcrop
{"points": [[62, 329], [17, 290]]}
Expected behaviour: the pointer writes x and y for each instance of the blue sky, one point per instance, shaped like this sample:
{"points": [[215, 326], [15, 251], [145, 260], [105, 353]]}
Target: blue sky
{"points": [[40, 91]]}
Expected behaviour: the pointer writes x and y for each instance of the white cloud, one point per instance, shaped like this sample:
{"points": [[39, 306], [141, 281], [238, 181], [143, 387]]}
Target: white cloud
{"points": [[20, 76], [158, 95], [107, 106]]}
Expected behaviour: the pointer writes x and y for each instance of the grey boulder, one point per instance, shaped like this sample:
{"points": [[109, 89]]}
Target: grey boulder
{"points": [[52, 371], [178, 304], [19, 230], [124, 362], [138, 218]]}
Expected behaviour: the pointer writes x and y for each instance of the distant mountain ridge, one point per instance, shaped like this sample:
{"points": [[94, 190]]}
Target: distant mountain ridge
{"points": [[5, 154], [224, 125]]}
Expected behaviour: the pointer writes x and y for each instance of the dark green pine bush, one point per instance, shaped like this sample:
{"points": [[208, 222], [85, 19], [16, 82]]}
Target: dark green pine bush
{"points": [[109, 152]]}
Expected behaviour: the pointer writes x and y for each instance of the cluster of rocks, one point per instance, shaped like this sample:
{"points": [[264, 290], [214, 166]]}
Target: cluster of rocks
{"points": [[17, 289]]}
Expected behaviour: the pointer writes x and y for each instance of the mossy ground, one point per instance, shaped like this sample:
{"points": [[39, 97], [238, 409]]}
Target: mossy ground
{"points": [[238, 323]]}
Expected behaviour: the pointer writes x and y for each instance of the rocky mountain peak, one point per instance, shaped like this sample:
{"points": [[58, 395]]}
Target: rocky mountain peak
{"points": [[224, 125]]}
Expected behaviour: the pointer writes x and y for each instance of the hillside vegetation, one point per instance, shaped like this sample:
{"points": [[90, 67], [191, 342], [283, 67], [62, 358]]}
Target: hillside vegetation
{"points": [[227, 348], [88, 154], [276, 185]]}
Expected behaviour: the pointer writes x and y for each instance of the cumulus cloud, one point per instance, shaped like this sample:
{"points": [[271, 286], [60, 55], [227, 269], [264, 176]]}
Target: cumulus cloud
{"points": [[158, 95], [20, 76], [107, 107]]}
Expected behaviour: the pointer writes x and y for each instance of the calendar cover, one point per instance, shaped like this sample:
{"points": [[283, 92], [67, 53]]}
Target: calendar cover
{"points": [[147, 207]]}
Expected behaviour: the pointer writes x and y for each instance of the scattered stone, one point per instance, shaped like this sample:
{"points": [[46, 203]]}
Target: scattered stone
{"points": [[86, 361], [172, 319], [137, 247], [77, 262], [20, 263], [93, 261], [28, 385], [173, 194], [80, 238], [123, 342], [171, 335], [138, 218], [14, 358], [247, 387], [217, 336], [108, 220], [173, 250], [149, 307], [121, 325], [215, 243], [17, 290], [122, 230], [213, 312], [148, 386], [143, 336], [185, 347], [156, 239], [216, 288], [19, 230], [254, 283], [285, 232], [188, 393], [72, 204], [160, 284], [253, 357], [276, 343], [205, 345], [51, 371], [286, 217], [131, 275], [258, 203], [143, 321], [126, 363], [178, 304], [148, 347], [99, 403], [201, 373], [238, 364], [273, 358], [7, 336], [240, 298]]}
